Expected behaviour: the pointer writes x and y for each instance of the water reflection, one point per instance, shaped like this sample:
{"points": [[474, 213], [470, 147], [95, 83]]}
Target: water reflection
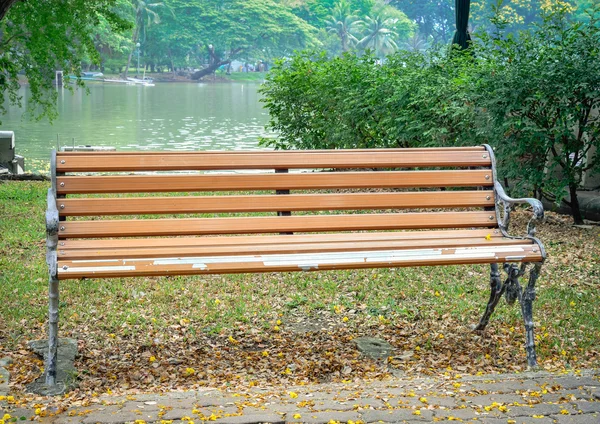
{"points": [[176, 116]]}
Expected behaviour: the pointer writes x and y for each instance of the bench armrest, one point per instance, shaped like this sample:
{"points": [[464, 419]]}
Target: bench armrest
{"points": [[504, 203], [52, 223]]}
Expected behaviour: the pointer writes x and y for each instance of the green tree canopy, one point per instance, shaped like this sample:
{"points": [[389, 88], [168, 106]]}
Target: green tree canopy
{"points": [[38, 38]]}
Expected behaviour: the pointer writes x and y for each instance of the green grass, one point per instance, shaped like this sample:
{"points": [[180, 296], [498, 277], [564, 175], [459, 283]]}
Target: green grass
{"points": [[424, 310]]}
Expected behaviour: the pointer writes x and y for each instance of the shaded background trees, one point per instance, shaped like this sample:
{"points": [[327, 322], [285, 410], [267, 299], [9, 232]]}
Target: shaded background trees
{"points": [[534, 96]]}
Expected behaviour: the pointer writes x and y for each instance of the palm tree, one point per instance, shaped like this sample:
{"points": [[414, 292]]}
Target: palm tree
{"points": [[343, 23], [379, 34], [144, 17], [416, 43]]}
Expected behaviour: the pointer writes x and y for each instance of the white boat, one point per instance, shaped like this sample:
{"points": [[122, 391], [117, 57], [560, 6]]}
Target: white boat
{"points": [[146, 81]]}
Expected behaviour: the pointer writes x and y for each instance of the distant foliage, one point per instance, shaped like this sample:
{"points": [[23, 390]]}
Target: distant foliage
{"points": [[535, 98]]}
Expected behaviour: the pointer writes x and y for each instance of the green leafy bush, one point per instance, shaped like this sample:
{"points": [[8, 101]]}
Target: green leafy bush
{"points": [[534, 97]]}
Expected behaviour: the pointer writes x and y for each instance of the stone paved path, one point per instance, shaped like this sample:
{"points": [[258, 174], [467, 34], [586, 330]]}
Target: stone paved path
{"points": [[536, 398]]}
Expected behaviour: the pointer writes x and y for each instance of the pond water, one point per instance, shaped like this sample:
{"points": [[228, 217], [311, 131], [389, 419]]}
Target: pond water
{"points": [[168, 116]]}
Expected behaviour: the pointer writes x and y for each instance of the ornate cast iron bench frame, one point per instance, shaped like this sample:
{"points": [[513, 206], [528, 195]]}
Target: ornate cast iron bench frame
{"points": [[71, 243]]}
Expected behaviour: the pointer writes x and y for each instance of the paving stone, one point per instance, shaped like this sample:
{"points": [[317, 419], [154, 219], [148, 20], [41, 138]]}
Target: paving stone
{"points": [[463, 414], [587, 407], [567, 396], [368, 402], [287, 408], [445, 401], [573, 382], [252, 419], [485, 400], [330, 405], [509, 386], [578, 419], [323, 417], [141, 406], [405, 401], [181, 403], [218, 400], [268, 409], [17, 413], [176, 414], [540, 409], [4, 379], [518, 420], [395, 415], [116, 417], [67, 420]]}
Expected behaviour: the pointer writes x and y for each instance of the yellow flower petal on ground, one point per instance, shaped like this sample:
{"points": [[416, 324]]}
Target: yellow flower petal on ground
{"points": [[217, 301], [232, 340], [488, 237], [152, 358], [278, 322], [537, 416], [139, 422], [423, 399], [189, 371], [345, 319], [293, 395], [564, 412], [417, 412], [297, 416], [276, 328], [265, 353]]}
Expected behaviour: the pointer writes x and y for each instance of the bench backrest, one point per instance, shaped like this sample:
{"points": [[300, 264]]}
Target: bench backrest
{"points": [[409, 189]]}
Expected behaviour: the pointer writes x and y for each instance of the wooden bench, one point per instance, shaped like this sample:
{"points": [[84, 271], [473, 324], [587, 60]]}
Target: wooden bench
{"points": [[361, 209]]}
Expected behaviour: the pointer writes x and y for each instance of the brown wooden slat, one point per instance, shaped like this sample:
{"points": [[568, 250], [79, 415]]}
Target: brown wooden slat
{"points": [[273, 203], [316, 180], [269, 160], [529, 253], [234, 152], [291, 247], [314, 223], [260, 240]]}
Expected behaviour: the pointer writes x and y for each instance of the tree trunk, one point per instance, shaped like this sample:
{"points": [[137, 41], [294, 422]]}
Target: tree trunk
{"points": [[575, 210], [135, 38], [209, 69], [4, 6]]}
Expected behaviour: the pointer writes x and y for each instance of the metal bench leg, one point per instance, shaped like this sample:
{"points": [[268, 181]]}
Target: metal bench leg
{"points": [[51, 361], [497, 288], [526, 299]]}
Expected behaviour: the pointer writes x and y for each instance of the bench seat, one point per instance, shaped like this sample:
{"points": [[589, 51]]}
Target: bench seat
{"points": [[239, 254]]}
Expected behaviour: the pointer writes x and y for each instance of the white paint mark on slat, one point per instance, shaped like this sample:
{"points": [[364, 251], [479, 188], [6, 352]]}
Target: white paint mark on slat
{"points": [[96, 269], [95, 260], [494, 249], [202, 266]]}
